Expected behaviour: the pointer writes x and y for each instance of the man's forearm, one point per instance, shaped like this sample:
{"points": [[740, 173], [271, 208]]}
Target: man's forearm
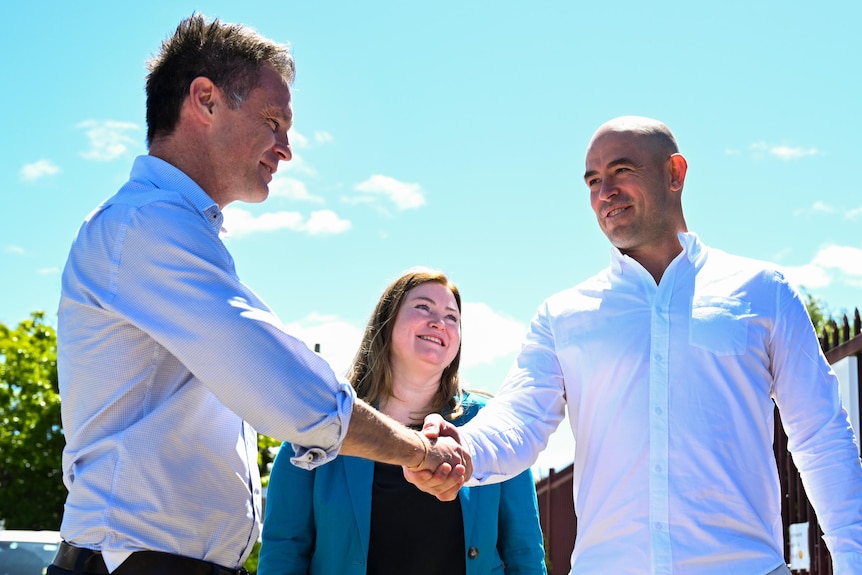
{"points": [[375, 436], [439, 465]]}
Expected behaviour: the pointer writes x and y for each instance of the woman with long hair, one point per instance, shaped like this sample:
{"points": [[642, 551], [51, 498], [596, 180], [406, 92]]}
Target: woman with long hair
{"points": [[353, 516]]}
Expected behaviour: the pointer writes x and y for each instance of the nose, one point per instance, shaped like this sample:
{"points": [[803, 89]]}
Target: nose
{"points": [[436, 321], [282, 148], [607, 189]]}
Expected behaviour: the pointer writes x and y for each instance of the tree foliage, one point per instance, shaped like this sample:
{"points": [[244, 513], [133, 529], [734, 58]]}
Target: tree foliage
{"points": [[31, 436], [818, 312]]}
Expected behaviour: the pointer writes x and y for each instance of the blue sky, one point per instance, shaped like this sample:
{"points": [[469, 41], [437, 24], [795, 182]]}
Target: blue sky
{"points": [[452, 134]]}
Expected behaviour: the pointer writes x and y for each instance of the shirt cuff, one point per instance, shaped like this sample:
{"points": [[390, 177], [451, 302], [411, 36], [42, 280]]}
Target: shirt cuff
{"points": [[309, 457]]}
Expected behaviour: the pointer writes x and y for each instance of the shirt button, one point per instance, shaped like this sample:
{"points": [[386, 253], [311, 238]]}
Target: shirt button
{"points": [[472, 553], [658, 411], [658, 468], [658, 526]]}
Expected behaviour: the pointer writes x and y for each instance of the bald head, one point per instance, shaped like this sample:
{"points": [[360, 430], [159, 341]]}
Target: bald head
{"points": [[636, 174], [659, 137]]}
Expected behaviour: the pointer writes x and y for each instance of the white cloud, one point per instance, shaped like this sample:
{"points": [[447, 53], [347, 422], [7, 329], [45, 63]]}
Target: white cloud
{"points": [[11, 249], [815, 208], [297, 164], [829, 264], [239, 222], [487, 335], [822, 207], [299, 140], [296, 139], [326, 222], [781, 151], [291, 189], [322, 137], [49, 271], [38, 169], [404, 195], [809, 276], [108, 139], [792, 153], [338, 339], [847, 259]]}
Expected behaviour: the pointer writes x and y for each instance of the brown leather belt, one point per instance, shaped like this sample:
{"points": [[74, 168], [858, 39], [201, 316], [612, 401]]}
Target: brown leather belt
{"points": [[89, 561]]}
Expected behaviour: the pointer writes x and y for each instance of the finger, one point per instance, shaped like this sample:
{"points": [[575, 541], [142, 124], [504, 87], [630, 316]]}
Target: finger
{"points": [[417, 476], [450, 494], [448, 491], [431, 427], [429, 482], [449, 430], [467, 462]]}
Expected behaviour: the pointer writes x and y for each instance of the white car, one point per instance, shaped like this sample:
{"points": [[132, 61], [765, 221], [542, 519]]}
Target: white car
{"points": [[27, 552]]}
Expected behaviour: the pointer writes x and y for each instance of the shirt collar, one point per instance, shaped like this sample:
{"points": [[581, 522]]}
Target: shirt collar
{"points": [[166, 176], [691, 250], [691, 246]]}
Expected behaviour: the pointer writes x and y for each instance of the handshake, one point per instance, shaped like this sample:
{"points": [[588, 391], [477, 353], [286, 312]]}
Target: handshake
{"points": [[446, 465]]}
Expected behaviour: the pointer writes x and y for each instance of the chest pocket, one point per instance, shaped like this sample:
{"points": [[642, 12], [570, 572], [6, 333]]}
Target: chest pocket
{"points": [[719, 324]]}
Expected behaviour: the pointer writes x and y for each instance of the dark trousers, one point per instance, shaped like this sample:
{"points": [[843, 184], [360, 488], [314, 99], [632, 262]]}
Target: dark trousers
{"points": [[77, 561]]}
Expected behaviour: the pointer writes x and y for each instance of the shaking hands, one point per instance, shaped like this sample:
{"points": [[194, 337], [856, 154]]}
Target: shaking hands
{"points": [[446, 465]]}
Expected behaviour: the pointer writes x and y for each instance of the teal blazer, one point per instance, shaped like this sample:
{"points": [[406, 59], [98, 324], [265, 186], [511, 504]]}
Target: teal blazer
{"points": [[318, 522]]}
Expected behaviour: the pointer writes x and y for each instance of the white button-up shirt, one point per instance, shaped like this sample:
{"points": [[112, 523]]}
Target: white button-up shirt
{"points": [[670, 390], [163, 356]]}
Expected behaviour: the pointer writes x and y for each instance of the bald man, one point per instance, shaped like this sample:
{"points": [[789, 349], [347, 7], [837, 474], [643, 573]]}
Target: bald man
{"points": [[670, 362]]}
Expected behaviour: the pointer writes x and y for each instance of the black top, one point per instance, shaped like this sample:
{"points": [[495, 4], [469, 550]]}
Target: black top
{"points": [[412, 531]]}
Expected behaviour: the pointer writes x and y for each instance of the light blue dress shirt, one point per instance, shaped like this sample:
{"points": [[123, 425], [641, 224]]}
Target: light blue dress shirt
{"points": [[166, 360], [669, 390]]}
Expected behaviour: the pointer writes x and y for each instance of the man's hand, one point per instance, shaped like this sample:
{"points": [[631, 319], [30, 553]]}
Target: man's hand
{"points": [[447, 465], [435, 426]]}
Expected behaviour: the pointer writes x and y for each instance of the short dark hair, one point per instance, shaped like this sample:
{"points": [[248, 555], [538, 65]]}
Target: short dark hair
{"points": [[230, 55]]}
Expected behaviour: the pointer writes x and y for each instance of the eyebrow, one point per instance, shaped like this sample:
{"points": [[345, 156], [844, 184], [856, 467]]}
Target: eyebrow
{"points": [[428, 299], [611, 164]]}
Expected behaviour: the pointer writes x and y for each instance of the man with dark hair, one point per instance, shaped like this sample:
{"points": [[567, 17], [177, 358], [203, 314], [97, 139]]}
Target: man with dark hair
{"points": [[167, 362]]}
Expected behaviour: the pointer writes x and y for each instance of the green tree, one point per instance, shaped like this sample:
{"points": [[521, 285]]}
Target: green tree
{"points": [[267, 448], [817, 311], [31, 436]]}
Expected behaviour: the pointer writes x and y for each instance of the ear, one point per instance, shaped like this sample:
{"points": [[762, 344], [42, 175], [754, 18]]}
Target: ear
{"points": [[678, 168], [203, 98]]}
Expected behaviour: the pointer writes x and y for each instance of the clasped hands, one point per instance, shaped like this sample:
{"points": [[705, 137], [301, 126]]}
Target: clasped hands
{"points": [[446, 466]]}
